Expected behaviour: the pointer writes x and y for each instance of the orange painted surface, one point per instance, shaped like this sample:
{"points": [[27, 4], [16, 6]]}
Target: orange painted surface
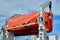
{"points": [[27, 19]]}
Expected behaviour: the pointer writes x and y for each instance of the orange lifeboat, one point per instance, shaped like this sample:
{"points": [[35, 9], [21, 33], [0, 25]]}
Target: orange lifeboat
{"points": [[15, 24]]}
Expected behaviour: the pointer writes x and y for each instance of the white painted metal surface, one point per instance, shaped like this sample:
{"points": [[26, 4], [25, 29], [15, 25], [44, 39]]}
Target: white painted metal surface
{"points": [[53, 37], [42, 31]]}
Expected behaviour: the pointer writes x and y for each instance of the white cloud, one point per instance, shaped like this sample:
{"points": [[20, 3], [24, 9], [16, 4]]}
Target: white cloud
{"points": [[9, 7]]}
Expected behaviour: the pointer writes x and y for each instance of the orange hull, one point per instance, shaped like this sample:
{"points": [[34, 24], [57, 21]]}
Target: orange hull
{"points": [[27, 19]]}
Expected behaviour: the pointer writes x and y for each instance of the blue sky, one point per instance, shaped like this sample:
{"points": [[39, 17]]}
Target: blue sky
{"points": [[11, 7]]}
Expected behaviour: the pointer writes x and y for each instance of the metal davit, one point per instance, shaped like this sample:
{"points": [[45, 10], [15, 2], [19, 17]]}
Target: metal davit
{"points": [[35, 23]]}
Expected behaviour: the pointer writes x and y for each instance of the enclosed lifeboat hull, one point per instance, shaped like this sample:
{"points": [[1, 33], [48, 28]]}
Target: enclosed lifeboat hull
{"points": [[15, 24]]}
